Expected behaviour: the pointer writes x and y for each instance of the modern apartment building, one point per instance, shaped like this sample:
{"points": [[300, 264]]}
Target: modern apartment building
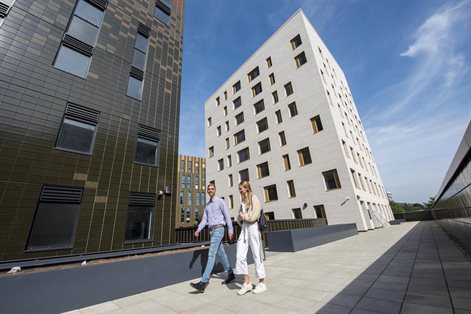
{"points": [[286, 121], [89, 119], [191, 190]]}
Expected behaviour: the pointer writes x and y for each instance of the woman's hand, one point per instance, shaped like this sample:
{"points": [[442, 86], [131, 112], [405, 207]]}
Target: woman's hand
{"points": [[241, 215]]}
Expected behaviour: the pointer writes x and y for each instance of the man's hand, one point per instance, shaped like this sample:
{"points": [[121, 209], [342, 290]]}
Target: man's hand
{"points": [[197, 233], [231, 235]]}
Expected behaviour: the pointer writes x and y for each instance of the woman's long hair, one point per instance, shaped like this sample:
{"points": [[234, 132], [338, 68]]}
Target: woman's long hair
{"points": [[247, 199]]}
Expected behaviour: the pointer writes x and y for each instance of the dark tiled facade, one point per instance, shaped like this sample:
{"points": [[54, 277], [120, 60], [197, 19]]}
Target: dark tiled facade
{"points": [[33, 98]]}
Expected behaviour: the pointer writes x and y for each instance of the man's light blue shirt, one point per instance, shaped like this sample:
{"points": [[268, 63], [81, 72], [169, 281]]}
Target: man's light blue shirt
{"points": [[216, 214]]}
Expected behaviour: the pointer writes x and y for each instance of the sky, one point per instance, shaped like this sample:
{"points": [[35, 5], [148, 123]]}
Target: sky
{"points": [[407, 63]]}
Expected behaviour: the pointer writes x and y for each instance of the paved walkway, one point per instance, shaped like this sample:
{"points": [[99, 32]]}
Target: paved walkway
{"points": [[408, 268]]}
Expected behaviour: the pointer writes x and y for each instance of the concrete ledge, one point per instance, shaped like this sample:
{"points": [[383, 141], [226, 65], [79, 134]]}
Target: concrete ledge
{"points": [[396, 221], [68, 289], [300, 239]]}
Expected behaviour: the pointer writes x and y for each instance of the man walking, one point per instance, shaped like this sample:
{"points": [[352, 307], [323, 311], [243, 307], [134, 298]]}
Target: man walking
{"points": [[216, 216]]}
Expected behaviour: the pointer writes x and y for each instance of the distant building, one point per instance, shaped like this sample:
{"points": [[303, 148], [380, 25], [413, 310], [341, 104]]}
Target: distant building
{"points": [[286, 121], [89, 118], [191, 190]]}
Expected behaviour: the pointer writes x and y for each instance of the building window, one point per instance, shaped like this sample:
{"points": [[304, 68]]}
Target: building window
{"points": [[300, 59], [304, 157], [253, 74], [236, 87], [229, 161], [183, 186], [331, 179], [139, 60], [279, 118], [190, 166], [320, 211], [197, 212], [225, 110], [188, 182], [56, 218], [74, 54], [239, 118], [239, 137], [244, 175], [282, 138], [259, 106], [263, 170], [237, 103], [218, 101], [227, 143], [148, 146], [275, 97], [211, 151], [181, 197], [231, 201], [264, 146], [225, 95], [209, 122], [243, 154], [188, 214], [182, 165], [78, 129], [293, 110], [162, 11], [288, 89], [257, 89], [262, 125], [182, 215], [269, 63], [296, 42], [270, 193], [291, 189], [297, 214], [218, 130], [286, 163], [227, 125], [220, 164], [230, 182], [190, 197], [139, 220], [316, 124], [272, 79]]}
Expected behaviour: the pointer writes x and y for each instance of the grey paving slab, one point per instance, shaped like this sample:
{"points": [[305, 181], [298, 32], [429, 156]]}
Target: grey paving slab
{"points": [[402, 269]]}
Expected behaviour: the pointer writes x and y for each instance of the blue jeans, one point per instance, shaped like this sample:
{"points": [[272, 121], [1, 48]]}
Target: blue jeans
{"points": [[215, 247]]}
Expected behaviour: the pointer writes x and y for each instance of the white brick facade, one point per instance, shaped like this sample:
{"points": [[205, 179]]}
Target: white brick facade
{"points": [[319, 89]]}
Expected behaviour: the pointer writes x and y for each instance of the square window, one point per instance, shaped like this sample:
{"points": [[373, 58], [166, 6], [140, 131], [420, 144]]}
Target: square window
{"points": [[259, 107], [147, 151], [297, 214], [73, 62], [236, 87], [270, 193], [288, 89], [243, 155], [89, 13], [134, 88], [239, 137], [76, 136], [316, 124], [244, 175], [211, 151], [300, 59], [264, 146], [296, 42], [139, 217], [331, 179], [257, 89], [293, 110], [56, 219], [83, 31], [253, 74], [139, 60], [163, 16], [304, 157], [220, 164], [262, 125], [263, 170], [239, 118], [237, 103]]}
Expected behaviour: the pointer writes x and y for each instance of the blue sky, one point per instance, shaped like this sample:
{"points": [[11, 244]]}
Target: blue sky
{"points": [[407, 63]]}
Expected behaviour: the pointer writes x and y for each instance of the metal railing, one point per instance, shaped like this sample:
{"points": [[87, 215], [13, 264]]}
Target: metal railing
{"points": [[186, 234]]}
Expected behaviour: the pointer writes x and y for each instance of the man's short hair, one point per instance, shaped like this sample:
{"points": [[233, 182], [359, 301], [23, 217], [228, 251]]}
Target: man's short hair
{"points": [[211, 184]]}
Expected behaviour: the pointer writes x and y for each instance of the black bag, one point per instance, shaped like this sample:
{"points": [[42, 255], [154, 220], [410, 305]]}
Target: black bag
{"points": [[262, 222]]}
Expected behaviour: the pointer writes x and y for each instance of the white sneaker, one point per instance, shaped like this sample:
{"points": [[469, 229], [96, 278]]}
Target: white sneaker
{"points": [[260, 288], [245, 288]]}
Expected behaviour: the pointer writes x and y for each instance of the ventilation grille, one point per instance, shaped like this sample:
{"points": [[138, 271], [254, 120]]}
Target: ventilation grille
{"points": [[82, 113], [136, 73], [148, 132], [78, 45], [144, 30], [101, 4], [163, 7], [3, 9], [141, 199], [57, 194]]}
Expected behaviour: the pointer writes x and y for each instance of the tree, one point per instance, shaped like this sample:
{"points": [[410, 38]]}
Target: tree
{"points": [[429, 203]]}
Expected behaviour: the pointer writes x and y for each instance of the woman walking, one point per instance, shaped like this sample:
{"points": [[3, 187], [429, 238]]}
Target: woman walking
{"points": [[249, 236]]}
